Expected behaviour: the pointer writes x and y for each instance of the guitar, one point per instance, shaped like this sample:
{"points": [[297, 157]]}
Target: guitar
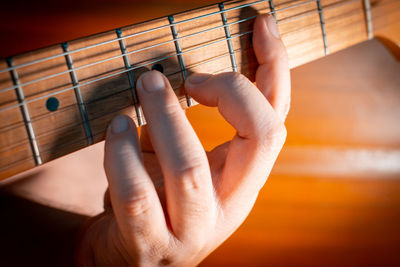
{"points": [[59, 99]]}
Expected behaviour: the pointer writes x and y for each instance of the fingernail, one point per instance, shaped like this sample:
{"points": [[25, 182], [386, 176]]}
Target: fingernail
{"points": [[151, 81], [197, 78], [119, 124], [272, 26]]}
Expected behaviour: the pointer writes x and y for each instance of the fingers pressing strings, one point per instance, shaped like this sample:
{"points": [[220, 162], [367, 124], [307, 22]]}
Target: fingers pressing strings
{"points": [[273, 75], [187, 178], [256, 113]]}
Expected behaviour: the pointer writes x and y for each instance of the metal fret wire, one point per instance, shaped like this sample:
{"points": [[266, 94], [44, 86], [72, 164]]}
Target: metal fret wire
{"points": [[122, 91], [272, 8], [312, 11], [181, 62], [142, 49], [323, 30], [127, 64], [132, 35], [105, 77], [143, 65], [228, 35], [150, 30], [96, 100], [78, 95], [124, 54], [126, 70], [102, 132], [26, 117], [368, 18], [75, 141]]}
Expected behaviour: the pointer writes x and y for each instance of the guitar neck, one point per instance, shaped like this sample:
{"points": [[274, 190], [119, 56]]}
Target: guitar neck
{"points": [[59, 99]]}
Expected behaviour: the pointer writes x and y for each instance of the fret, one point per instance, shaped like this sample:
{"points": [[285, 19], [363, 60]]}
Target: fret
{"points": [[323, 30], [122, 45], [15, 148], [25, 114], [228, 36], [179, 56], [107, 84], [203, 44], [272, 8], [245, 59], [368, 19], [344, 23], [78, 94]]}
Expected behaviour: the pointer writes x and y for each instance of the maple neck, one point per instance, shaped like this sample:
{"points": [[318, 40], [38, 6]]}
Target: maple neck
{"points": [[60, 99]]}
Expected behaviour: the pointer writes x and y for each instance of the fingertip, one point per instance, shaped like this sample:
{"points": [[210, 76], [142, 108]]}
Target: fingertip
{"points": [[266, 39], [266, 26], [121, 137], [119, 125], [272, 26], [152, 81]]}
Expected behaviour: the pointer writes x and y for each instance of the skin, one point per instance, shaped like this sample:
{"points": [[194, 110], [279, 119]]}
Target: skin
{"points": [[171, 203]]}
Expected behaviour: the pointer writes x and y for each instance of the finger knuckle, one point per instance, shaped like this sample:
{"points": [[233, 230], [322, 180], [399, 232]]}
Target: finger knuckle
{"points": [[276, 136], [236, 80], [139, 202], [190, 177]]}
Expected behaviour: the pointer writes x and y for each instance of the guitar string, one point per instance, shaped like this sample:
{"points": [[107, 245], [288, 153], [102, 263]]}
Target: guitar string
{"points": [[43, 116], [120, 72], [341, 14], [65, 109], [333, 19], [98, 133], [121, 54], [146, 31], [77, 141], [50, 155], [315, 11], [202, 62], [135, 51], [309, 12], [108, 76]]}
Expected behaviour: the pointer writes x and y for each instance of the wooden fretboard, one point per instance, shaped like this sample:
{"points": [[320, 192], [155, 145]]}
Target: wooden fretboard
{"points": [[60, 99]]}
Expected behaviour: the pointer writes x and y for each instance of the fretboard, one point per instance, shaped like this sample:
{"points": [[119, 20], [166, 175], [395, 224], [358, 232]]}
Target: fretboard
{"points": [[59, 99]]}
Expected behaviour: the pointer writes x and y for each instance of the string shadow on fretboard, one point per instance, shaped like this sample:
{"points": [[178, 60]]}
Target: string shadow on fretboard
{"points": [[109, 97], [106, 99], [102, 102]]}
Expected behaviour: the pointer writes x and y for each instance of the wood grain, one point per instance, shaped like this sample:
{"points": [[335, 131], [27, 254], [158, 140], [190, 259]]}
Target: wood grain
{"points": [[62, 131]]}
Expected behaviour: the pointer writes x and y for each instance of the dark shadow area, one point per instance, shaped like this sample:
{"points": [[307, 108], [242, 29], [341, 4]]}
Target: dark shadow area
{"points": [[249, 62], [391, 46], [36, 235]]}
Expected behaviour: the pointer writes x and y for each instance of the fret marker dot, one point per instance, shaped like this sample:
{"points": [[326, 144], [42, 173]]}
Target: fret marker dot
{"points": [[158, 67], [52, 104]]}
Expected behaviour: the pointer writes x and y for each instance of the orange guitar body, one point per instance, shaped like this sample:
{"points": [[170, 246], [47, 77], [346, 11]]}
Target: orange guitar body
{"points": [[333, 198]]}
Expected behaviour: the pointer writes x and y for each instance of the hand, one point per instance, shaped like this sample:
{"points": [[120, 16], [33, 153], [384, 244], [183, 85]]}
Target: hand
{"points": [[179, 208]]}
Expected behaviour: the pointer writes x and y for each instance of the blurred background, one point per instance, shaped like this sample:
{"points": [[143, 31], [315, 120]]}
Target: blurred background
{"points": [[333, 198]]}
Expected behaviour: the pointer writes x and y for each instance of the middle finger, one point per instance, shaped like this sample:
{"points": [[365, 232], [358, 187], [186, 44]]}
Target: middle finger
{"points": [[187, 178]]}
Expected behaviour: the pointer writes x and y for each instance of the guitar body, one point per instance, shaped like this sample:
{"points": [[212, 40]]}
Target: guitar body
{"points": [[333, 196]]}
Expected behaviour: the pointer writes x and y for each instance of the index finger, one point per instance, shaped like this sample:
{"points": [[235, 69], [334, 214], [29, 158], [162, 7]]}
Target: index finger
{"points": [[187, 178]]}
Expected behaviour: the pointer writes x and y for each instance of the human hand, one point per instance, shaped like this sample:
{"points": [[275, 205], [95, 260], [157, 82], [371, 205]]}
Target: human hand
{"points": [[179, 208]]}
